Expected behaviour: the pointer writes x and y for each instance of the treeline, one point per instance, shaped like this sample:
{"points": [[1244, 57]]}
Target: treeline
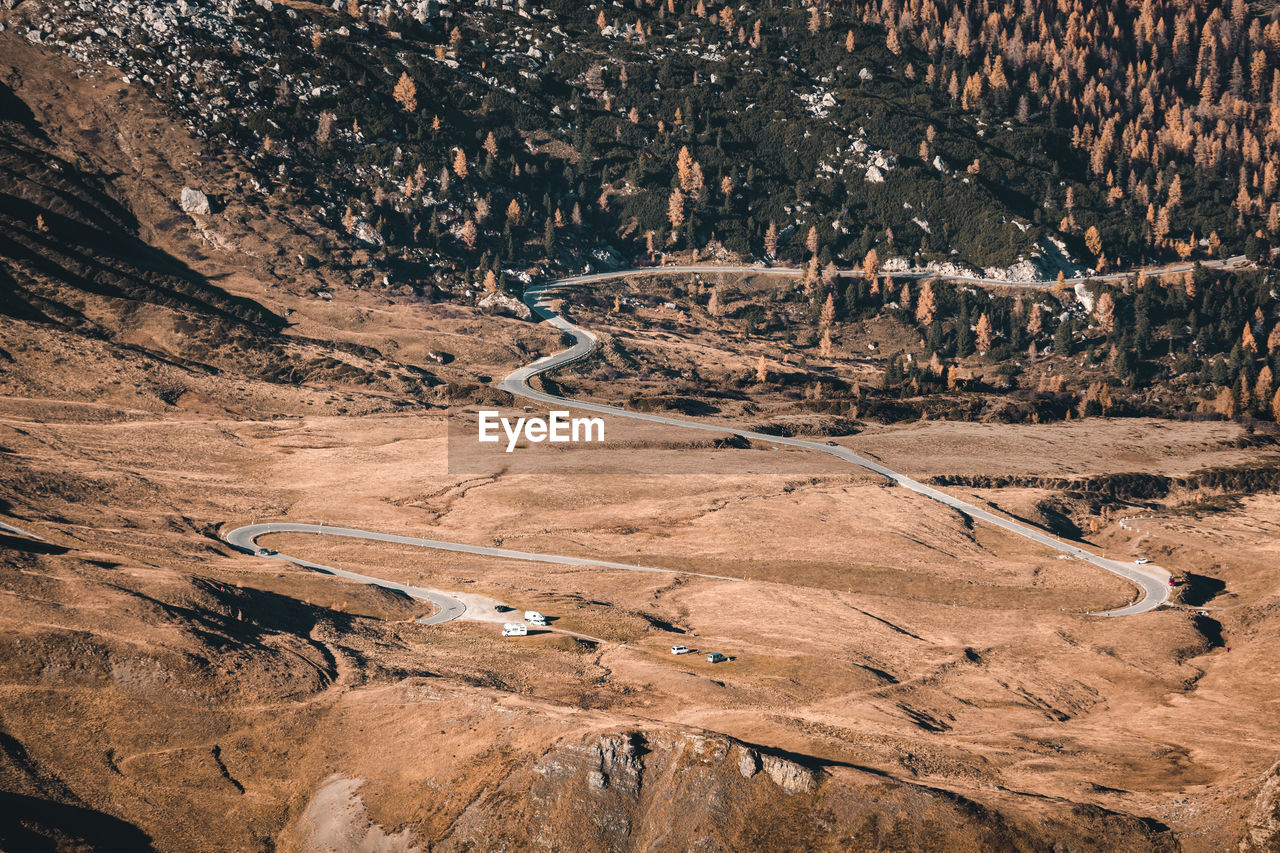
{"points": [[920, 129], [1209, 342], [1172, 106]]}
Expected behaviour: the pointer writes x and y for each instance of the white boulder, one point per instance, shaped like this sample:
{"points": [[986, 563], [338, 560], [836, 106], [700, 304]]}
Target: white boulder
{"points": [[194, 201], [501, 303], [367, 234]]}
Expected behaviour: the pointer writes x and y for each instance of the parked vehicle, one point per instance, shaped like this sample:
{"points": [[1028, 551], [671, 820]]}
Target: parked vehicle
{"points": [[716, 657], [514, 629], [533, 617], [680, 650], [1142, 561]]}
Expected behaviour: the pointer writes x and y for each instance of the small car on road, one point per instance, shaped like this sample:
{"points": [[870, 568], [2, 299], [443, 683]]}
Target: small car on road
{"points": [[716, 657], [514, 629], [1142, 561], [680, 650], [265, 552]]}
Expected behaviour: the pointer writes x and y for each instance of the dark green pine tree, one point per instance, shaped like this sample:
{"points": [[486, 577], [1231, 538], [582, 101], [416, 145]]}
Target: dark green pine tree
{"points": [[964, 334], [1062, 337], [549, 239]]}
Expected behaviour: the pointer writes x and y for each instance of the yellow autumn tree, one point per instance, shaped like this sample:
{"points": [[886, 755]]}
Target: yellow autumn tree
{"points": [[926, 305], [406, 93], [1247, 341], [1262, 388], [771, 239], [828, 315], [675, 208], [892, 42], [871, 264], [1035, 322], [468, 234], [1106, 312], [1093, 240], [984, 341], [684, 168]]}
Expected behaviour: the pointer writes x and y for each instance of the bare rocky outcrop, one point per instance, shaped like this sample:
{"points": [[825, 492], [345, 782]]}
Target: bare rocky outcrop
{"points": [[367, 234], [791, 777], [501, 303], [1264, 821], [675, 789], [748, 763]]}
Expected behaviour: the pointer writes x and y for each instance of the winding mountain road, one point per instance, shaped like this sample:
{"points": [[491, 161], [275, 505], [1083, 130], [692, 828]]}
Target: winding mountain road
{"points": [[450, 605], [1152, 581]]}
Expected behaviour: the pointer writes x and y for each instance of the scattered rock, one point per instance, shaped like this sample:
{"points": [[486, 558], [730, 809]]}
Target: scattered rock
{"points": [[194, 201], [501, 303], [367, 234]]}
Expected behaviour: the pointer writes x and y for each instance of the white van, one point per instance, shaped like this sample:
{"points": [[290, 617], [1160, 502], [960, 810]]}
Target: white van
{"points": [[533, 617], [514, 629]]}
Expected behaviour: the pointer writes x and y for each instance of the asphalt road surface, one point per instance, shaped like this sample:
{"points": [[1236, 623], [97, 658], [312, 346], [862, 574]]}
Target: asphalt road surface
{"points": [[1152, 581], [450, 605], [1235, 262], [18, 531]]}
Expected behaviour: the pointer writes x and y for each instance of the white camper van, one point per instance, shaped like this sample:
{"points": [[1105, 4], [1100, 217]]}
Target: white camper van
{"points": [[533, 617], [514, 629]]}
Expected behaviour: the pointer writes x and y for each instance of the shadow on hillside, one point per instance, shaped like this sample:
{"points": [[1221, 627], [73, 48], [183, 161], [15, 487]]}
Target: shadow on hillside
{"points": [[33, 824], [31, 546]]}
